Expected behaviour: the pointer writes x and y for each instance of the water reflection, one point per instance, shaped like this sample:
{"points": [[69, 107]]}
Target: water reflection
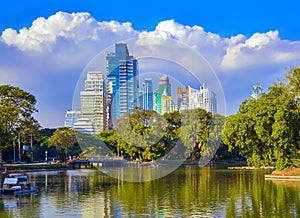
{"points": [[187, 192]]}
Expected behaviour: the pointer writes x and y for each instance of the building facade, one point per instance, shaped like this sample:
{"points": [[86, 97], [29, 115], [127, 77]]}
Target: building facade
{"points": [[256, 91], [84, 125], [147, 95], [164, 82], [163, 102], [71, 117], [123, 83], [193, 98], [93, 101]]}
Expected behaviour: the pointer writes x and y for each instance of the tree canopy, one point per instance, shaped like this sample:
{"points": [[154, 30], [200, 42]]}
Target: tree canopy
{"points": [[63, 138], [266, 130], [16, 114]]}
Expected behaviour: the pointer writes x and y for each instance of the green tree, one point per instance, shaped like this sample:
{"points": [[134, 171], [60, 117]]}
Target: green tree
{"points": [[194, 131], [63, 138], [139, 134], [95, 145], [267, 129], [215, 136], [16, 108]]}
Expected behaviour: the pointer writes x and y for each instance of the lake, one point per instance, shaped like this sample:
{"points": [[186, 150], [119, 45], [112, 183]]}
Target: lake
{"points": [[187, 192]]}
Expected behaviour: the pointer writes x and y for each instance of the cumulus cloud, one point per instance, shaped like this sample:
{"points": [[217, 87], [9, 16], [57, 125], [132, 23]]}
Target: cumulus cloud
{"points": [[79, 27], [260, 49], [51, 53], [210, 45], [65, 33]]}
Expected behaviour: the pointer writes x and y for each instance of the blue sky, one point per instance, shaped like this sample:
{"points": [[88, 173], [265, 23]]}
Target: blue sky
{"points": [[226, 18], [245, 42]]}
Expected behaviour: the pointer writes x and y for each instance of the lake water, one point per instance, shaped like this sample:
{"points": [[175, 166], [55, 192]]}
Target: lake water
{"points": [[187, 192]]}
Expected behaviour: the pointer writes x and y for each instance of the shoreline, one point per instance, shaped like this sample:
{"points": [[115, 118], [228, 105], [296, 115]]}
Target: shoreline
{"points": [[283, 177], [31, 167], [287, 174]]}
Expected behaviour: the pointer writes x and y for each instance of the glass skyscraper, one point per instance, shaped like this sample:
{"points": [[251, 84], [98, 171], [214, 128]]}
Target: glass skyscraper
{"points": [[147, 101], [256, 91], [164, 82], [163, 102], [123, 83]]}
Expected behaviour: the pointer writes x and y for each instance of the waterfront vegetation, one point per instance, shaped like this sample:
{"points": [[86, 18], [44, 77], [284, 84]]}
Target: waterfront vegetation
{"points": [[264, 130]]}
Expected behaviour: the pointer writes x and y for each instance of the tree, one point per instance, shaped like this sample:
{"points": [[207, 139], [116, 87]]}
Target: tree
{"points": [[267, 129], [63, 138], [94, 145], [215, 136], [194, 131], [139, 134], [16, 107]]}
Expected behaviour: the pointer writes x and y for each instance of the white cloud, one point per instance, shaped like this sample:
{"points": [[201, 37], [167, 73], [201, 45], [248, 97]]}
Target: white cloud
{"points": [[210, 45], [260, 49], [79, 27]]}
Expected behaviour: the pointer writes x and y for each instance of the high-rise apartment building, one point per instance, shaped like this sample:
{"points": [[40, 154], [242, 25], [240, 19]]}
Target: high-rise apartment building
{"points": [[93, 101], [256, 91], [122, 79], [192, 98], [84, 125], [71, 117], [208, 100]]}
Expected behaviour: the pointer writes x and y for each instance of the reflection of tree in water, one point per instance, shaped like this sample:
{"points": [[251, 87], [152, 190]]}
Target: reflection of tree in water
{"points": [[207, 192], [186, 192]]}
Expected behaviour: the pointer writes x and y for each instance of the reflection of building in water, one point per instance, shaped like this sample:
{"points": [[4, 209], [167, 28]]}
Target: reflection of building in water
{"points": [[99, 204], [193, 98]]}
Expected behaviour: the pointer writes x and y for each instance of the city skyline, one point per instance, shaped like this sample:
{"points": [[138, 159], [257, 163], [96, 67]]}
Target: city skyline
{"points": [[45, 51], [104, 99]]}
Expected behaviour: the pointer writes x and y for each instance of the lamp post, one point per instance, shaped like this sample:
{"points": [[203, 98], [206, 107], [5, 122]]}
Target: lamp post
{"points": [[46, 156], [14, 145]]}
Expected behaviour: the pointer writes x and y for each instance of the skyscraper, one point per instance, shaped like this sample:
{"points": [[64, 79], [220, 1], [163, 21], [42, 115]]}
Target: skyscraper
{"points": [[194, 98], [158, 99], [164, 82], [208, 100], [93, 101], [162, 97], [122, 78], [256, 91], [147, 101], [71, 117]]}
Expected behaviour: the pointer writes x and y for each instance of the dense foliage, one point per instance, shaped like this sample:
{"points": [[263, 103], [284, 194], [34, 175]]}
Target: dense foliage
{"points": [[16, 118], [63, 138], [146, 135], [266, 130]]}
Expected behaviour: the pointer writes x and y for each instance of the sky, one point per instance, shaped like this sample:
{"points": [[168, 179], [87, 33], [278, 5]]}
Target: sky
{"points": [[46, 45]]}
